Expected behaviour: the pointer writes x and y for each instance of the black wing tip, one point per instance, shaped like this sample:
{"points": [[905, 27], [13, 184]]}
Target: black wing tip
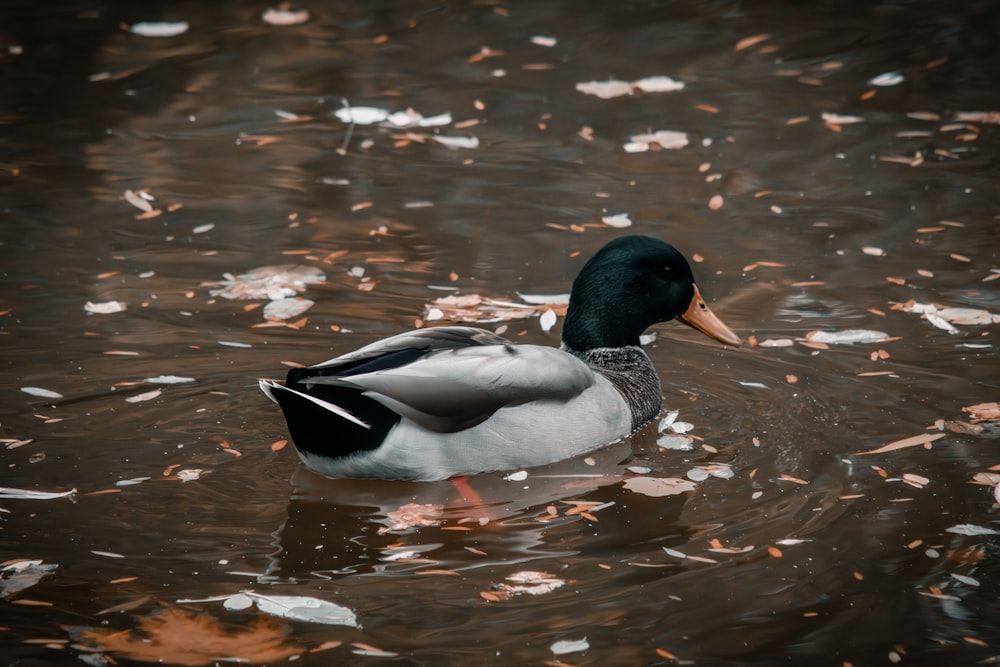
{"points": [[319, 431]]}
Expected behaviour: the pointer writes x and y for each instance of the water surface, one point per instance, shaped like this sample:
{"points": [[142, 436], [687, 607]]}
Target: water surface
{"points": [[825, 223]]}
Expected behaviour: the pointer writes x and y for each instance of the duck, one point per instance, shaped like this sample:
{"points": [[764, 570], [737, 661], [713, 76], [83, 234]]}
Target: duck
{"points": [[451, 401]]}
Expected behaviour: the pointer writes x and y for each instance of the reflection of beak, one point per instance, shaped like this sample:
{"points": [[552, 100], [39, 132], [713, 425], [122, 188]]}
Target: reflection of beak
{"points": [[699, 316]]}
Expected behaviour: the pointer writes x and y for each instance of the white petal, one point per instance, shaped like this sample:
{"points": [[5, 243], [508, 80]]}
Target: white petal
{"points": [[569, 646], [41, 393], [547, 320], [658, 84], [160, 28], [361, 115], [887, 79], [605, 89], [619, 221]]}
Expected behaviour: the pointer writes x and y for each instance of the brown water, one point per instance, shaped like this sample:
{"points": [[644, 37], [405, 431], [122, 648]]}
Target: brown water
{"points": [[872, 575]]}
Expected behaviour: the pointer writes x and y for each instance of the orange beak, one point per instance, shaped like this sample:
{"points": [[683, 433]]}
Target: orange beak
{"points": [[699, 316]]}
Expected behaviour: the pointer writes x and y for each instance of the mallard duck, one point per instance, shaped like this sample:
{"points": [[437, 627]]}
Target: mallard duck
{"points": [[454, 400]]}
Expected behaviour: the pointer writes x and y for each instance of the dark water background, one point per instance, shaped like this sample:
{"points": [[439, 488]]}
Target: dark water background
{"points": [[90, 110]]}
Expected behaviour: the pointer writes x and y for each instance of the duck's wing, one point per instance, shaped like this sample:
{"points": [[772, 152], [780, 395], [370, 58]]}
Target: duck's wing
{"points": [[451, 389], [406, 348]]}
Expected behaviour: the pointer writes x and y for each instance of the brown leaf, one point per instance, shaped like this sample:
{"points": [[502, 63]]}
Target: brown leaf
{"points": [[983, 411], [922, 439], [180, 638]]}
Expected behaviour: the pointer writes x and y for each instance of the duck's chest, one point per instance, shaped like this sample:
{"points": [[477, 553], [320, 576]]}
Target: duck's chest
{"points": [[631, 373]]}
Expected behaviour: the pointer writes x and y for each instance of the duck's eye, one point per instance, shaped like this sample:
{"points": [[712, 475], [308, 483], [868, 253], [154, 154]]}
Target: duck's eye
{"points": [[665, 272]]}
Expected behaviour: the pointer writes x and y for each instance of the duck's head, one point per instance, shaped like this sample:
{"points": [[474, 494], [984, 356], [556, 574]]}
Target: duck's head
{"points": [[630, 284]]}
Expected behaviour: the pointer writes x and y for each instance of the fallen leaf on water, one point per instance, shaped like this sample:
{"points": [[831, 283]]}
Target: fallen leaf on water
{"points": [[453, 142], [619, 221], [838, 119], [922, 439], [569, 646], [681, 554], [41, 393], [22, 574], [983, 412], [159, 28], [284, 17], [361, 115], [545, 299], [528, 582], [887, 79], [104, 307], [848, 337], [961, 427], [918, 481], [371, 651], [301, 608], [668, 139], [267, 282], [168, 379], [675, 442], [968, 316], [190, 474], [7, 492], [753, 40], [731, 550], [988, 117], [777, 342], [145, 396], [790, 478], [476, 308], [180, 638], [703, 472], [138, 201], [287, 308], [971, 530], [612, 88], [659, 486]]}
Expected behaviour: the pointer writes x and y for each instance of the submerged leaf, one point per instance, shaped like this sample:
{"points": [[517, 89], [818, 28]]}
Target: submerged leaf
{"points": [[412, 515], [178, 638], [659, 486], [528, 582]]}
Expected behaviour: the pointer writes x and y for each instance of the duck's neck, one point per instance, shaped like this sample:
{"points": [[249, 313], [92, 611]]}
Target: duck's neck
{"points": [[631, 372]]}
